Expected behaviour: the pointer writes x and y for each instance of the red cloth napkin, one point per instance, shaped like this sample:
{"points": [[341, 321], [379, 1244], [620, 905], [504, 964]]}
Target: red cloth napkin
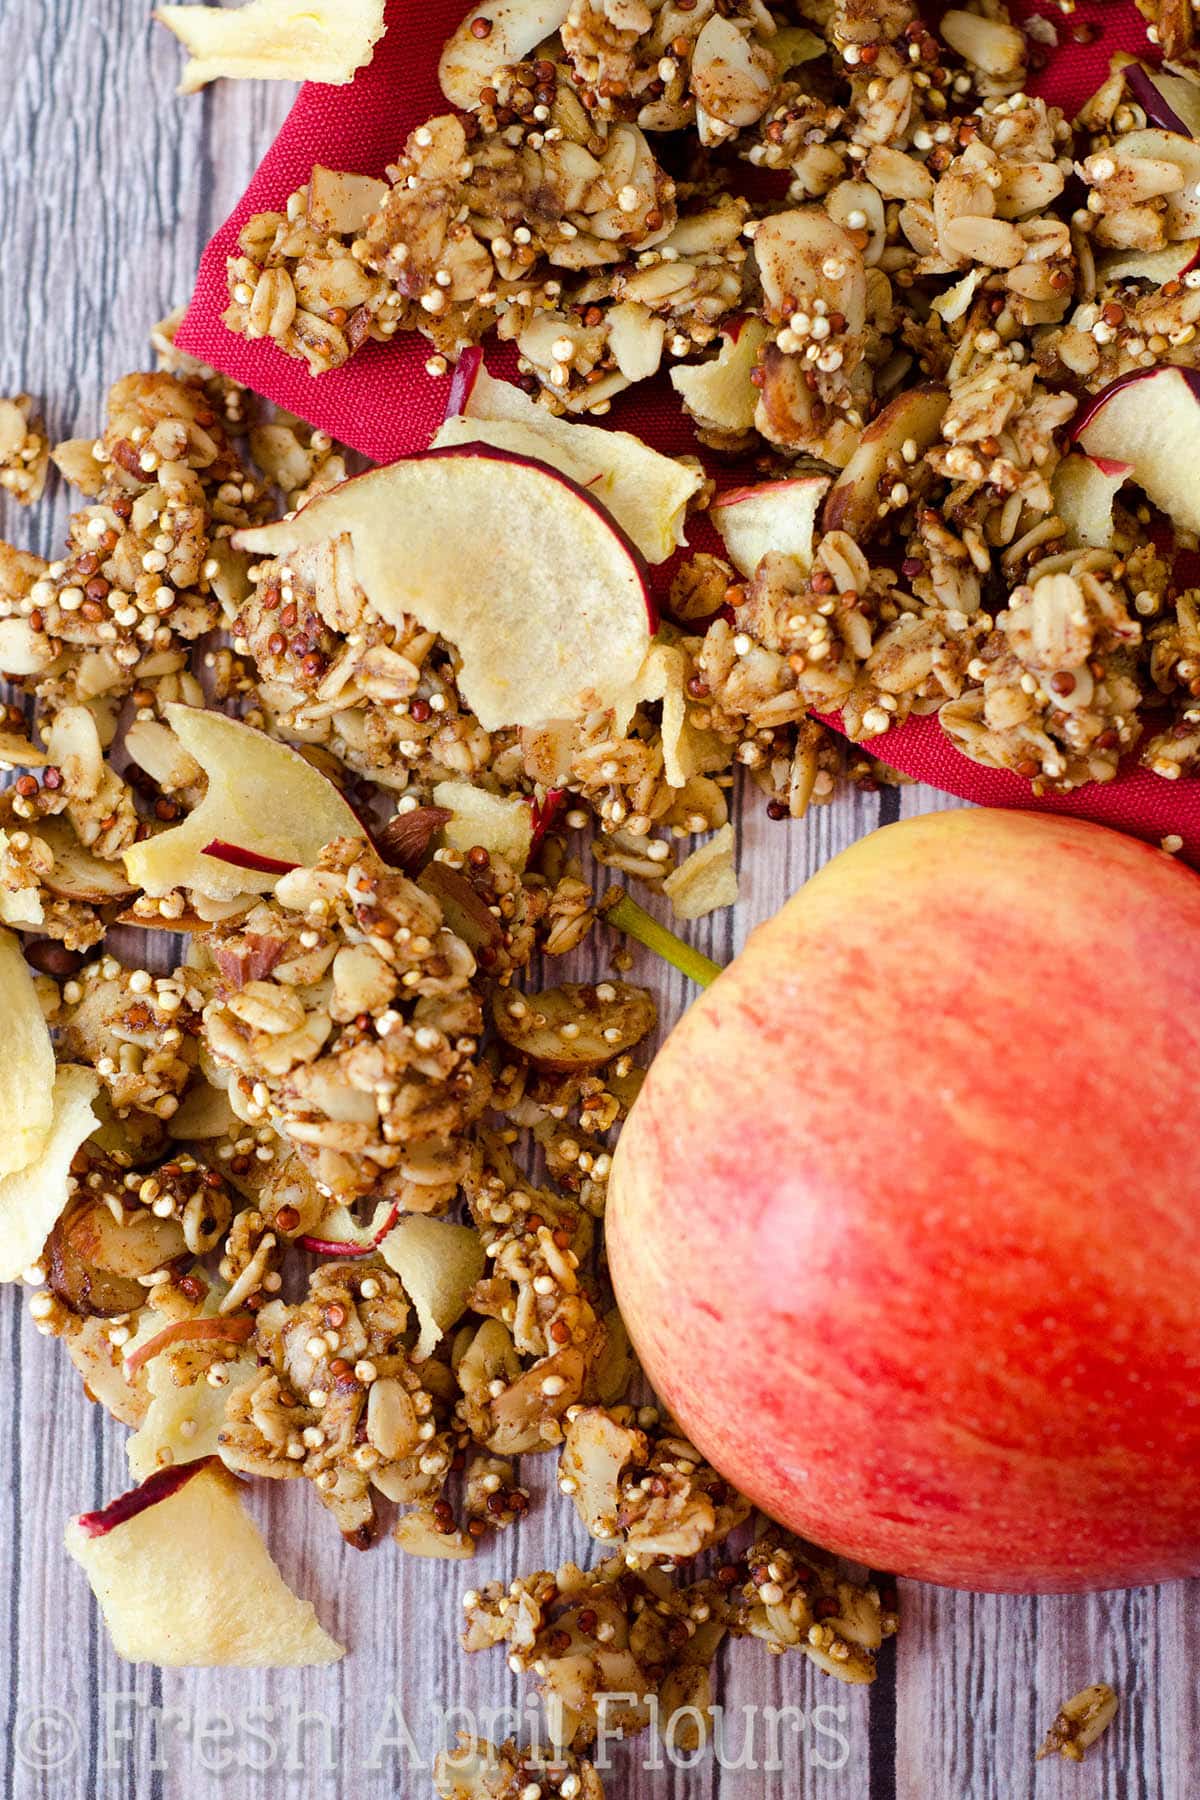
{"points": [[384, 404]]}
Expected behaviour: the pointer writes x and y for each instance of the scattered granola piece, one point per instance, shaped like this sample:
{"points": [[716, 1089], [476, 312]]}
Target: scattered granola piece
{"points": [[644, 1485], [795, 1598], [24, 450], [477, 1770], [1080, 1721]]}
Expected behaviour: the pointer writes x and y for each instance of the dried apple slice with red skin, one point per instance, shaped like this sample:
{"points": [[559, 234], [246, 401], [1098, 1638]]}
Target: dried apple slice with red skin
{"points": [[772, 516], [264, 802], [1168, 101], [184, 1579], [549, 624], [365, 1240], [1151, 420], [852, 504], [647, 493], [514, 28]]}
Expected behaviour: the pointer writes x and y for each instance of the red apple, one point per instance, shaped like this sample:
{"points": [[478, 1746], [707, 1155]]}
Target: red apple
{"points": [[904, 1223]]}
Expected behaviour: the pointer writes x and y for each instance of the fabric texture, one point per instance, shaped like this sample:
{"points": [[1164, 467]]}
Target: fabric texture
{"points": [[384, 404]]}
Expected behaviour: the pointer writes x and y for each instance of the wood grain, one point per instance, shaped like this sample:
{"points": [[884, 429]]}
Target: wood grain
{"points": [[109, 186]]}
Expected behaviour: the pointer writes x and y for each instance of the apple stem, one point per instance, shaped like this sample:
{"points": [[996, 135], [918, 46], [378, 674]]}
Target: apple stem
{"points": [[624, 914]]}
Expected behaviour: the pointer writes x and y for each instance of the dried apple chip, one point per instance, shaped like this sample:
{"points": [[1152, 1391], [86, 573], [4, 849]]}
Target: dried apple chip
{"points": [[266, 810], [706, 881], [31, 1198], [182, 1422], [502, 825], [439, 1264], [26, 1070], [275, 40], [687, 751], [185, 1581], [551, 622], [647, 493]]}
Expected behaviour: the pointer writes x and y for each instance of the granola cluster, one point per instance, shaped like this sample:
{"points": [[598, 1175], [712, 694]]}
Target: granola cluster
{"points": [[919, 316], [298, 1229]]}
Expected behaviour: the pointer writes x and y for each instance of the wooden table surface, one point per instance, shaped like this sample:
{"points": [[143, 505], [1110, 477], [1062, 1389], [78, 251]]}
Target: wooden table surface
{"points": [[109, 187]]}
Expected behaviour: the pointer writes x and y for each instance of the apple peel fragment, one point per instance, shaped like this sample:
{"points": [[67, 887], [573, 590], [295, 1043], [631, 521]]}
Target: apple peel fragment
{"points": [[27, 1068], [32, 1198], [264, 803], [773, 516], [184, 1579], [275, 40], [647, 493], [551, 622]]}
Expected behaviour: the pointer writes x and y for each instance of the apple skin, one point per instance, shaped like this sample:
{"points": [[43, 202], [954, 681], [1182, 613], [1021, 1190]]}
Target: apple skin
{"points": [[904, 1223], [1152, 101], [466, 374], [159, 1486], [242, 858], [191, 1331], [330, 1247], [544, 816]]}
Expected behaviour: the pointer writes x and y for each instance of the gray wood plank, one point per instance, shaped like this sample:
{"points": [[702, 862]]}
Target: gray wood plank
{"points": [[109, 187]]}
